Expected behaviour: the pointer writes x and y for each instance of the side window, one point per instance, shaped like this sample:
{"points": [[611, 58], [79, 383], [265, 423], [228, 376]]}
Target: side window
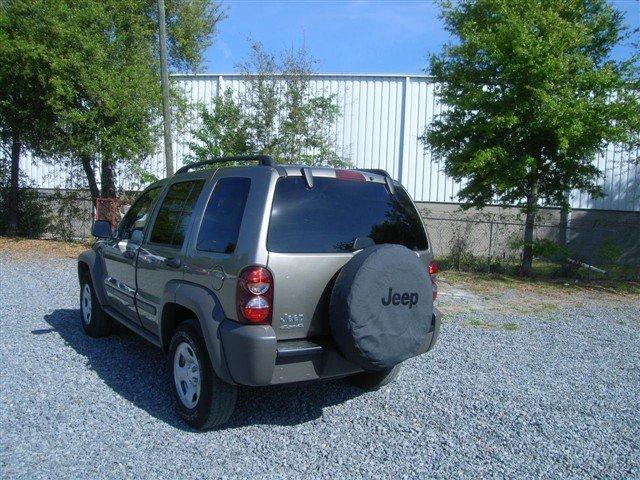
{"points": [[171, 223], [223, 215], [138, 215]]}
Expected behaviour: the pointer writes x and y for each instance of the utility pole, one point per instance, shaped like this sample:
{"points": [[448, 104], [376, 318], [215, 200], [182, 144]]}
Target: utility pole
{"points": [[166, 104]]}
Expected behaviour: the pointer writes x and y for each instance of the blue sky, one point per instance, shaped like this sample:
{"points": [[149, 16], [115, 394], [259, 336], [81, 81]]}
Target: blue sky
{"points": [[345, 36]]}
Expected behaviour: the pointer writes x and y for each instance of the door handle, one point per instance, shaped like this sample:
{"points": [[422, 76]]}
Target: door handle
{"points": [[129, 254], [173, 262]]}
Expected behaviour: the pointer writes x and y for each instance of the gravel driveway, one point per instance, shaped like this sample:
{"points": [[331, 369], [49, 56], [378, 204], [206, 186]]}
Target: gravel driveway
{"points": [[520, 385]]}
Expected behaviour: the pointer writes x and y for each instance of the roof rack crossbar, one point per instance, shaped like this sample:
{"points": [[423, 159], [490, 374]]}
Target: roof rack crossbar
{"points": [[262, 159]]}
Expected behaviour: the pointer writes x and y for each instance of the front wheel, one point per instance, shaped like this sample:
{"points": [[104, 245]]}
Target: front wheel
{"points": [[201, 399], [95, 322], [374, 380]]}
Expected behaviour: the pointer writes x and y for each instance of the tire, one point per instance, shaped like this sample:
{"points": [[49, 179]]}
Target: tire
{"points": [[374, 380], [381, 307], [95, 322], [207, 402]]}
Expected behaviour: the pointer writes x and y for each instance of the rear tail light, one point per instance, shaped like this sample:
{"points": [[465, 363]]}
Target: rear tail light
{"points": [[433, 273], [350, 175], [254, 296]]}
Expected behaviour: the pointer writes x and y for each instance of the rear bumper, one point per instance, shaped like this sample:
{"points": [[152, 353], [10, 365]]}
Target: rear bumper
{"points": [[254, 356]]}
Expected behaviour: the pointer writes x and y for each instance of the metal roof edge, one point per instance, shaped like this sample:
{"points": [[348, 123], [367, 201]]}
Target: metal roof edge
{"points": [[206, 75]]}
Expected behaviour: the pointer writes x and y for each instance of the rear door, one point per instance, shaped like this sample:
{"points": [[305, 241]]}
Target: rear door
{"points": [[217, 253], [120, 254], [312, 232], [161, 258]]}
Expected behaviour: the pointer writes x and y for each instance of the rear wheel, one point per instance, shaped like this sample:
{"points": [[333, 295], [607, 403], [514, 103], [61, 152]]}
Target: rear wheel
{"points": [[374, 380], [201, 399], [95, 322]]}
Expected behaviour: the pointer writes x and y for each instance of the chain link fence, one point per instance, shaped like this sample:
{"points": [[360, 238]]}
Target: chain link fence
{"points": [[583, 244], [70, 213]]}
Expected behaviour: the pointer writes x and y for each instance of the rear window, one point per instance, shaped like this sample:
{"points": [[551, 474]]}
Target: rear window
{"points": [[330, 216]]}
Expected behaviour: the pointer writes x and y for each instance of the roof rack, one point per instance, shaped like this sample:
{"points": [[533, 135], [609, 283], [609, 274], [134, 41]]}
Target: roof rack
{"points": [[262, 159]]}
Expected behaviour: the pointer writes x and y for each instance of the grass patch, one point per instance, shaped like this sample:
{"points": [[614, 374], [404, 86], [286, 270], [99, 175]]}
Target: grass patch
{"points": [[480, 324], [492, 282], [547, 307], [511, 327]]}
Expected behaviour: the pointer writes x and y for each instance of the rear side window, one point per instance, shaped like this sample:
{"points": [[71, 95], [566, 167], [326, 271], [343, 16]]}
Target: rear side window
{"points": [[171, 223], [331, 215], [223, 216]]}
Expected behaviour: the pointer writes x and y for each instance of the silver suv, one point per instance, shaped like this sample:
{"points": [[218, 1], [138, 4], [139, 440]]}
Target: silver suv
{"points": [[265, 274]]}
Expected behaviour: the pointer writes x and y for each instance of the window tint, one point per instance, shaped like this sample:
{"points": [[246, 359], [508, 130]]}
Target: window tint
{"points": [[138, 215], [223, 216], [332, 214], [171, 223]]}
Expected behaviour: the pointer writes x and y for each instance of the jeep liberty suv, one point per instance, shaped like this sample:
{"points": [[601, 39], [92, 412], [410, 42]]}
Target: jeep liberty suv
{"points": [[265, 274]]}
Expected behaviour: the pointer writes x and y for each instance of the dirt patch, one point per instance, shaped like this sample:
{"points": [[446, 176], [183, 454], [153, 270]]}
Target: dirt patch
{"points": [[24, 248]]}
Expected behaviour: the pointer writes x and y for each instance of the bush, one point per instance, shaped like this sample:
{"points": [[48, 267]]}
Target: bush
{"points": [[544, 249], [33, 214]]}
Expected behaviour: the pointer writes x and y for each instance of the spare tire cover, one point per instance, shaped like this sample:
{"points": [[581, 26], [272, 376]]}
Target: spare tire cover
{"points": [[381, 307]]}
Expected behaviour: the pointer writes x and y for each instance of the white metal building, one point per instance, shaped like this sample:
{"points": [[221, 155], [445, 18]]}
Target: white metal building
{"points": [[382, 118]]}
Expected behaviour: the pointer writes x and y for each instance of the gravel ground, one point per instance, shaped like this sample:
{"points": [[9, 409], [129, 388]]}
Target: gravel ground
{"points": [[547, 391]]}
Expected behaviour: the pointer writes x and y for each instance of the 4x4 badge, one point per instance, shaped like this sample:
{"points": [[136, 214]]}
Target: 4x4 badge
{"points": [[406, 298]]}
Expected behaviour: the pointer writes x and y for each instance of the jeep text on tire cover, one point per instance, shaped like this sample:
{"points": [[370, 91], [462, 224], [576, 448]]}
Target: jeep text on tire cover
{"points": [[405, 298]]}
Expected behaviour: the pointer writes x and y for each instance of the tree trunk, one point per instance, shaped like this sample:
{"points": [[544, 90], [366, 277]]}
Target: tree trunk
{"points": [[527, 252], [16, 147], [107, 179], [91, 178]]}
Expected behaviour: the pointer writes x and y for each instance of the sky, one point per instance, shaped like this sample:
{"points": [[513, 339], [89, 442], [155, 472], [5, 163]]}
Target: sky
{"points": [[347, 36]]}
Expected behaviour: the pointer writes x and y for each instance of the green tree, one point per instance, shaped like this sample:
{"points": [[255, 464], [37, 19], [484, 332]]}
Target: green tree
{"points": [[223, 130], [191, 27], [277, 114], [124, 128], [82, 78], [25, 112], [532, 96], [33, 215]]}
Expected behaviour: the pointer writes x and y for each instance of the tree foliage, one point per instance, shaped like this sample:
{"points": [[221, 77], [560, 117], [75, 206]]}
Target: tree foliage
{"points": [[80, 79], [191, 27], [278, 114], [110, 97], [33, 217], [532, 95], [223, 129]]}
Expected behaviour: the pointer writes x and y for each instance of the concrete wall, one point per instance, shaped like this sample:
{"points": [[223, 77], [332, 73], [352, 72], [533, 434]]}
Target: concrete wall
{"points": [[70, 212], [599, 236]]}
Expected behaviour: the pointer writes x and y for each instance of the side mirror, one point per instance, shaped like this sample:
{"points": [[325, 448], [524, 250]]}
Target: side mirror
{"points": [[101, 229], [136, 237]]}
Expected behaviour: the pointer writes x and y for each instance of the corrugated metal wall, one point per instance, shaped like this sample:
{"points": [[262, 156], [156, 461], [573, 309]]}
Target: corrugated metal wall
{"points": [[382, 118]]}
